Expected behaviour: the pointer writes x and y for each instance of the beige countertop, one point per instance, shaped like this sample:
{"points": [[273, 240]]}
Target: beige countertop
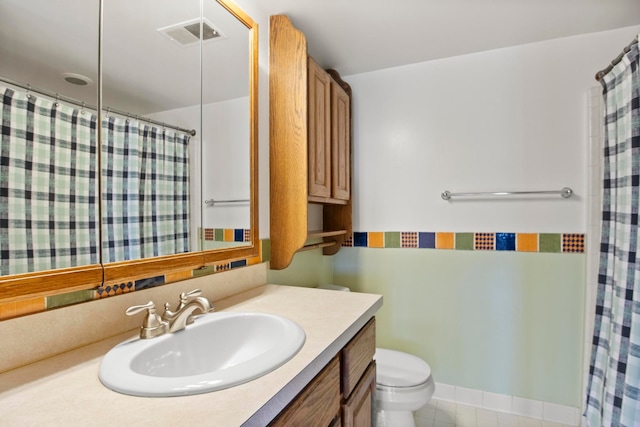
{"points": [[64, 390]]}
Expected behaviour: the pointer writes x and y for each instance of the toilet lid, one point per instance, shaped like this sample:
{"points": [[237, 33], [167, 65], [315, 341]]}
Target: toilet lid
{"points": [[398, 369]]}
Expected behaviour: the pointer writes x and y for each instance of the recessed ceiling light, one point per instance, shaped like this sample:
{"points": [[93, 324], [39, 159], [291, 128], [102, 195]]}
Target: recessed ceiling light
{"points": [[76, 79]]}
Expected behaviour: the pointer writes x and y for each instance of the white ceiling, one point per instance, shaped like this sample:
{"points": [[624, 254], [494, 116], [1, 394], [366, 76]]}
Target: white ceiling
{"points": [[356, 36], [144, 72]]}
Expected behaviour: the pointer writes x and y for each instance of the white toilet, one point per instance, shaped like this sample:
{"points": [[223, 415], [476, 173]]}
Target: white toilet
{"points": [[403, 384]]}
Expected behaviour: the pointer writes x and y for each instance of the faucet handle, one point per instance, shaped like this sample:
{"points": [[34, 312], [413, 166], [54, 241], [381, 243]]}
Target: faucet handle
{"points": [[152, 325], [133, 310], [185, 296]]}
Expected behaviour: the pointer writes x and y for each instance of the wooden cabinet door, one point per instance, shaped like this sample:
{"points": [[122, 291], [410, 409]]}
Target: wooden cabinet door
{"points": [[340, 142], [357, 411], [318, 404], [319, 126]]}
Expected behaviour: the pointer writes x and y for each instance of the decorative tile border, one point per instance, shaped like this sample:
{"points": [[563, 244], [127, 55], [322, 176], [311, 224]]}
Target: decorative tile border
{"points": [[226, 234], [107, 290], [469, 241]]}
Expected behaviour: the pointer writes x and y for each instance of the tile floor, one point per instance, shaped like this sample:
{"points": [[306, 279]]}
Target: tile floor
{"points": [[440, 413]]}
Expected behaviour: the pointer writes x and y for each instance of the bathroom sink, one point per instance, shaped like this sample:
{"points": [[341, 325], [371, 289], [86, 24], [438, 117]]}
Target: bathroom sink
{"points": [[217, 351]]}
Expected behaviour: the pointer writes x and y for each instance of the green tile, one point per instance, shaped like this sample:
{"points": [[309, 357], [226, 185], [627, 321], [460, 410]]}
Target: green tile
{"points": [[266, 250], [219, 234], [550, 242], [70, 298], [464, 241], [204, 271], [392, 239]]}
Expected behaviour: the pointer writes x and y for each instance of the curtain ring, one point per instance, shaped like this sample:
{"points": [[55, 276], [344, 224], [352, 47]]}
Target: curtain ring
{"points": [[107, 115], [28, 90], [82, 109], [57, 104]]}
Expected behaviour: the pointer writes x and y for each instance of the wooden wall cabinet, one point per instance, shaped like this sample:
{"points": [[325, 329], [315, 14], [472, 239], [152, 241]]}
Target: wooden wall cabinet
{"points": [[310, 147], [342, 393], [329, 137]]}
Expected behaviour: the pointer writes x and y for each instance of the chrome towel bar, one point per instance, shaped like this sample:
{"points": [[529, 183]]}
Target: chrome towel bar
{"points": [[566, 192], [212, 202]]}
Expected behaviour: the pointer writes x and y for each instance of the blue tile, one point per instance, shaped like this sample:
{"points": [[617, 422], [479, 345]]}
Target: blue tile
{"points": [[505, 241], [239, 263], [238, 235], [427, 240], [149, 283], [360, 238]]}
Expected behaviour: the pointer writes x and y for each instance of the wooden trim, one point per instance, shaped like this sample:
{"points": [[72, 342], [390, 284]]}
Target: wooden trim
{"points": [[47, 283], [220, 255], [118, 272], [327, 200], [313, 246], [287, 140], [321, 233]]}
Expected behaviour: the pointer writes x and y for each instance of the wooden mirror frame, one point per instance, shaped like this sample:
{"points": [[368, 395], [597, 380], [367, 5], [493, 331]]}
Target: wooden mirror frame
{"points": [[14, 288]]}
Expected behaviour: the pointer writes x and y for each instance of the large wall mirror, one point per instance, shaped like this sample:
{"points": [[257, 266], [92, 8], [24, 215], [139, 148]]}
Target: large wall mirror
{"points": [[170, 181]]}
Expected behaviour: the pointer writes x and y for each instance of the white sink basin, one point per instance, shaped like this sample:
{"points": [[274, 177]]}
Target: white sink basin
{"points": [[219, 350]]}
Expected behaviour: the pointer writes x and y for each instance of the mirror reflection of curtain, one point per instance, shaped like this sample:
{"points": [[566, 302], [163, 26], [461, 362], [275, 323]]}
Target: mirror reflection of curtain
{"points": [[145, 190], [48, 186]]}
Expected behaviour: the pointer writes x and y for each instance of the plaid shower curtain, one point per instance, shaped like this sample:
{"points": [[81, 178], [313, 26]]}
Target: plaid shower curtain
{"points": [[613, 393], [48, 185], [145, 190]]}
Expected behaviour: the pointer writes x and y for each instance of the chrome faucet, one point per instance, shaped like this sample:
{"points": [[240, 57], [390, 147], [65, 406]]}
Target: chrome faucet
{"points": [[183, 316], [154, 325]]}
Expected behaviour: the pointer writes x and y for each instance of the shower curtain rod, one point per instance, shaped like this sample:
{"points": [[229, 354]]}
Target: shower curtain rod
{"points": [[600, 74], [68, 100]]}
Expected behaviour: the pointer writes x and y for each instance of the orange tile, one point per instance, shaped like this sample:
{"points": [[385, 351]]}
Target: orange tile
{"points": [[254, 260], [20, 308], [376, 239], [176, 277], [229, 234], [445, 240], [527, 242]]}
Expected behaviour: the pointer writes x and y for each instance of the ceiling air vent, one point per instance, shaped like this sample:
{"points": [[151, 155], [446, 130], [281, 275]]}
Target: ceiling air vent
{"points": [[188, 33]]}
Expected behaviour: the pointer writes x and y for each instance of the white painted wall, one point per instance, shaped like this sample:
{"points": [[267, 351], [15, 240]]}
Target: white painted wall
{"points": [[224, 161], [509, 119]]}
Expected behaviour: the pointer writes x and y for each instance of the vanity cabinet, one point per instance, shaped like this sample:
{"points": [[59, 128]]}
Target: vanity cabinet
{"points": [[342, 393], [310, 148], [318, 404]]}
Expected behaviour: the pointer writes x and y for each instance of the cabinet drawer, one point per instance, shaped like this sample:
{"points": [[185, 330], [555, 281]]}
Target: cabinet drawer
{"points": [[356, 356], [318, 404]]}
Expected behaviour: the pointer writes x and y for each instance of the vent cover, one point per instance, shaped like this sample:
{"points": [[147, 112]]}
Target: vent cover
{"points": [[188, 33]]}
